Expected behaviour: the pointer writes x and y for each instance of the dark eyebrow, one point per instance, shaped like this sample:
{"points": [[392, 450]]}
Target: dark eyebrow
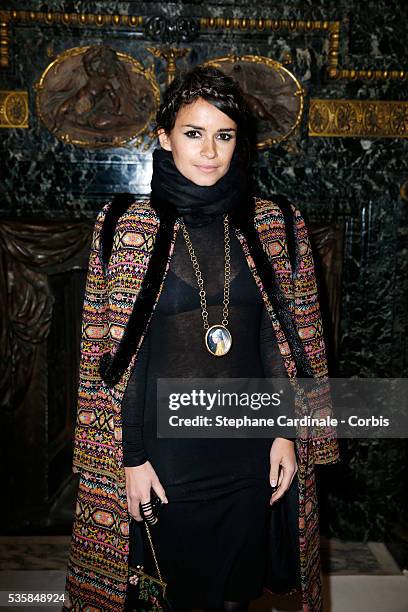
{"points": [[196, 127]]}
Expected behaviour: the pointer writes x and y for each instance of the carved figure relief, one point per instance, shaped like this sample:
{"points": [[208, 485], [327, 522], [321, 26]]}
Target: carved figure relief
{"points": [[96, 97]]}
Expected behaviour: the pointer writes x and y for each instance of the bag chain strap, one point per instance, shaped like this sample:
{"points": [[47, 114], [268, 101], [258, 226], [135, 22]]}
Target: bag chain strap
{"points": [[153, 552]]}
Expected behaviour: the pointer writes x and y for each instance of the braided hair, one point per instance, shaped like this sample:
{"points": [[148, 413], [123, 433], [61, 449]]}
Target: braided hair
{"points": [[220, 90]]}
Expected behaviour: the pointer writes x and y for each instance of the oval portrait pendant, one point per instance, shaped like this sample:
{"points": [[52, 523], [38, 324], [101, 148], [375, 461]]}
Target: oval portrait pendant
{"points": [[218, 340]]}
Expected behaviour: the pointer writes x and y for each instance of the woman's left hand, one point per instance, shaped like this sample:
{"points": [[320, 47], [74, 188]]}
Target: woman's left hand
{"points": [[282, 453]]}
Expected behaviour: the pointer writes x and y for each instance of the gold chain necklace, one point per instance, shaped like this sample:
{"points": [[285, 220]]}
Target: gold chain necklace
{"points": [[217, 338]]}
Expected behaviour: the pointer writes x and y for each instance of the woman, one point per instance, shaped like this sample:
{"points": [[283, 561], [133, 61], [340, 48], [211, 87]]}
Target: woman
{"points": [[153, 294]]}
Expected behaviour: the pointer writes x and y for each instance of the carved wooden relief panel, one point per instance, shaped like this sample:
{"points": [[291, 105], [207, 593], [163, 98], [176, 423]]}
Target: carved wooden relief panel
{"points": [[96, 97], [42, 281]]}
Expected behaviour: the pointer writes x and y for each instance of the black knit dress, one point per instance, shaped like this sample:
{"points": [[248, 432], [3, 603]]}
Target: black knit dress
{"points": [[211, 538]]}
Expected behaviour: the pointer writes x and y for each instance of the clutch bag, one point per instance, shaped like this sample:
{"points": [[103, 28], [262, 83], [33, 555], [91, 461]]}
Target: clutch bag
{"points": [[151, 589]]}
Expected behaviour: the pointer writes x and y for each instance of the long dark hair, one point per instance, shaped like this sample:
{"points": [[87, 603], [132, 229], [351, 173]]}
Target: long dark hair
{"points": [[218, 89]]}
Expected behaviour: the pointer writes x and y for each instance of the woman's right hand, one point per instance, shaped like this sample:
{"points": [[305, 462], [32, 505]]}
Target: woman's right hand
{"points": [[140, 480]]}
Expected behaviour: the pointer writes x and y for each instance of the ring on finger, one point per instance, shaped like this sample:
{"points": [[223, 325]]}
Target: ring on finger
{"points": [[149, 517], [146, 505]]}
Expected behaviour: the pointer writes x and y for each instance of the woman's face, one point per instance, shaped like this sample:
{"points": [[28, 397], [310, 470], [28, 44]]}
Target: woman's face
{"points": [[202, 142]]}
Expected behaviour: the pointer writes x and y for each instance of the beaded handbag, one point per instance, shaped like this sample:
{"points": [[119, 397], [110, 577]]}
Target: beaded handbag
{"points": [[151, 591]]}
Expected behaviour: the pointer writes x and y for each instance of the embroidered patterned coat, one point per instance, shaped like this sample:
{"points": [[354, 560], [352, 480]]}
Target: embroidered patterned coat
{"points": [[132, 246]]}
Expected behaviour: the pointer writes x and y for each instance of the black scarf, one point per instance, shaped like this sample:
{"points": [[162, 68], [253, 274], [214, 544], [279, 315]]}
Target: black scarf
{"points": [[173, 193]]}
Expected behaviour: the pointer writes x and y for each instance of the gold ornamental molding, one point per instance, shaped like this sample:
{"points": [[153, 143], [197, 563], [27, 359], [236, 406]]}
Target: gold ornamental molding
{"points": [[170, 55], [361, 118], [50, 18], [4, 39], [84, 19], [13, 109], [331, 29]]}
